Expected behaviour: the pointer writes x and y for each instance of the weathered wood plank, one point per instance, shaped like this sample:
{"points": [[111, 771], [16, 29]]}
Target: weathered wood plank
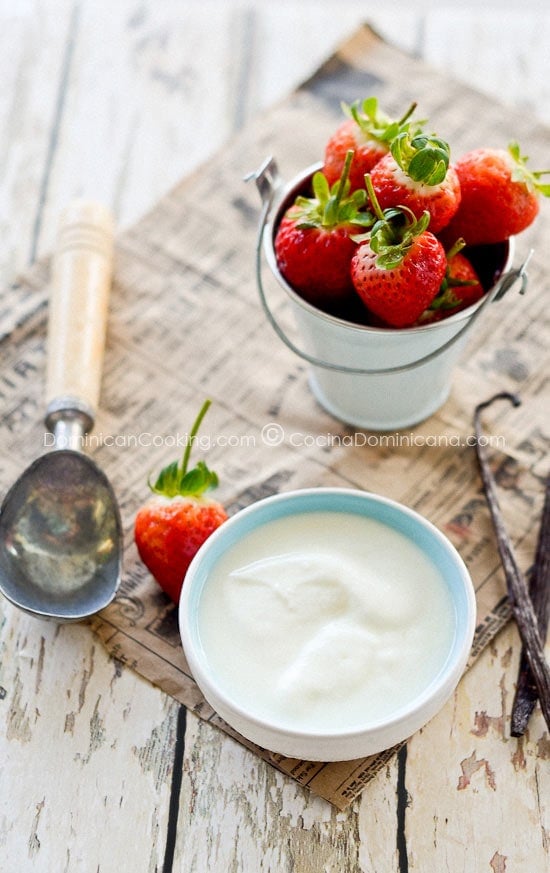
{"points": [[87, 752], [476, 794], [34, 54]]}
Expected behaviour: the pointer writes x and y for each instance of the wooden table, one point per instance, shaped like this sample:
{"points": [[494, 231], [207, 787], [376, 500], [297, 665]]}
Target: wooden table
{"points": [[99, 770]]}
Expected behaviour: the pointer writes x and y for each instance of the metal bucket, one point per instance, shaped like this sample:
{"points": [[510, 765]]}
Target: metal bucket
{"points": [[371, 377]]}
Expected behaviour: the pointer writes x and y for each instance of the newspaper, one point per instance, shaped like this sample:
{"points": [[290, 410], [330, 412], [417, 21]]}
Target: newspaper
{"points": [[186, 324]]}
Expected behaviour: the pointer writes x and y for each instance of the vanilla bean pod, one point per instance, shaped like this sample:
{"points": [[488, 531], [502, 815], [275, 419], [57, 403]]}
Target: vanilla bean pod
{"points": [[539, 590], [518, 593]]}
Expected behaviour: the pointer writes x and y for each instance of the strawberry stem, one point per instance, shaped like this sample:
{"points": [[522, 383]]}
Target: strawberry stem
{"points": [[377, 209], [331, 209], [456, 248], [341, 189], [408, 113], [192, 434]]}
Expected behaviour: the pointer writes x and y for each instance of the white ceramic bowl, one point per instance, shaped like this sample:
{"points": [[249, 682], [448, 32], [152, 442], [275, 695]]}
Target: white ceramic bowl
{"points": [[373, 736]]}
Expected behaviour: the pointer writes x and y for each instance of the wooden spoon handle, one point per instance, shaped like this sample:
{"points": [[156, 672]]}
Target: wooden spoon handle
{"points": [[80, 286]]}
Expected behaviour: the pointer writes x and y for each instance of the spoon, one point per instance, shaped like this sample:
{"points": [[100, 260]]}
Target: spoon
{"points": [[60, 527]]}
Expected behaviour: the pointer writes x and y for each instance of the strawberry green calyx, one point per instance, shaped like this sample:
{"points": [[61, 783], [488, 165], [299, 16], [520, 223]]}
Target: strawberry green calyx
{"points": [[176, 480], [424, 158], [446, 298], [522, 174], [393, 232], [332, 206], [374, 123]]}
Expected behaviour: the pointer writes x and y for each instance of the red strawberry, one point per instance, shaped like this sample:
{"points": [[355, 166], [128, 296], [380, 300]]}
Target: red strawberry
{"points": [[398, 270], [173, 524], [500, 196], [368, 132], [461, 287], [417, 175], [314, 244]]}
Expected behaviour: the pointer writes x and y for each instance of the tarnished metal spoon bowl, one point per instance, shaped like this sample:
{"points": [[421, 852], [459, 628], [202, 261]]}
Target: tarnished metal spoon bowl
{"points": [[60, 531]]}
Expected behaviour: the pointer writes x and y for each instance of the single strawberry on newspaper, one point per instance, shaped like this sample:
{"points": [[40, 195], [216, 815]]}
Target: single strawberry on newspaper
{"points": [[368, 132], [314, 244], [500, 195], [398, 269], [177, 519], [417, 175]]}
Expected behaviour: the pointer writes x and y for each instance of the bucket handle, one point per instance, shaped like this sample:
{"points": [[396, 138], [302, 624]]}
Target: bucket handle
{"points": [[268, 181]]}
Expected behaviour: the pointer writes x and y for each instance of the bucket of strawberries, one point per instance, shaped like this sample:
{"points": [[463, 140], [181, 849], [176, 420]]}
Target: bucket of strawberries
{"points": [[389, 252]]}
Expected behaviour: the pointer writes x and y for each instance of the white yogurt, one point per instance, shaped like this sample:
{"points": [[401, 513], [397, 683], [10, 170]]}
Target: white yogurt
{"points": [[325, 621]]}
